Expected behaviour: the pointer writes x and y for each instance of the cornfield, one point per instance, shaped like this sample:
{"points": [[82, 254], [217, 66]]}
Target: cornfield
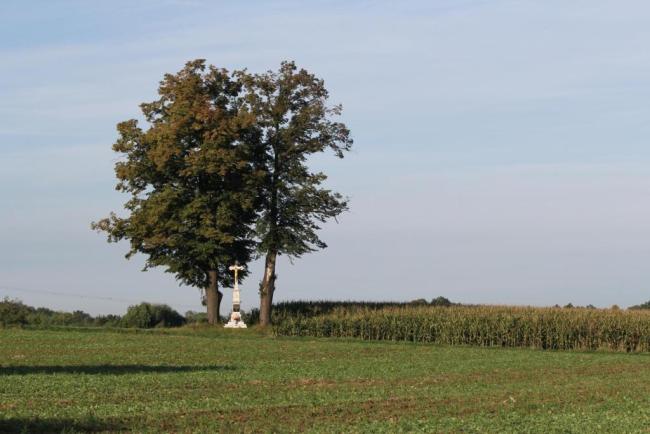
{"points": [[486, 326]]}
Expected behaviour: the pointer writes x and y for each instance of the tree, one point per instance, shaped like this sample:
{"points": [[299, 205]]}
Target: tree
{"points": [[441, 301], [293, 122], [192, 184], [645, 305]]}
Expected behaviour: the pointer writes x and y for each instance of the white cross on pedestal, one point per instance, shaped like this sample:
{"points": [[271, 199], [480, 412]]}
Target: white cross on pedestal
{"points": [[235, 316]]}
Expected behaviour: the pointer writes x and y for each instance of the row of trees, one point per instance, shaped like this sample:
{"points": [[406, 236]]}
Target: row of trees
{"points": [[220, 175]]}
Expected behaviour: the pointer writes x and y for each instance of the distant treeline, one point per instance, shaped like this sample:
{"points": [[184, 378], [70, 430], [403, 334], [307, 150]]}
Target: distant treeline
{"points": [[143, 315], [285, 314], [148, 315], [645, 305]]}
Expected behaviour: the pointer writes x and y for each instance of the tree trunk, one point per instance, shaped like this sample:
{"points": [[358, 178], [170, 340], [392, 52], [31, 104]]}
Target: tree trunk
{"points": [[213, 299], [267, 288]]}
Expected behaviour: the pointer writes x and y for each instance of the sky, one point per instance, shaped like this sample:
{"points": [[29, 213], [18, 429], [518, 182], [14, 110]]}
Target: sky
{"points": [[501, 153]]}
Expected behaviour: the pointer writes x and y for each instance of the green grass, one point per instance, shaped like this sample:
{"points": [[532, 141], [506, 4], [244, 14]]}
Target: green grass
{"points": [[242, 381]]}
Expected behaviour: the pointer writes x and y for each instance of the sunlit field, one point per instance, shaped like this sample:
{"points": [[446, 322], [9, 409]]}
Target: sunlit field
{"points": [[199, 380]]}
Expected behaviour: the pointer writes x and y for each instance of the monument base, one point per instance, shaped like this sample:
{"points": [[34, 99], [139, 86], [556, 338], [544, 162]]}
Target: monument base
{"points": [[235, 322]]}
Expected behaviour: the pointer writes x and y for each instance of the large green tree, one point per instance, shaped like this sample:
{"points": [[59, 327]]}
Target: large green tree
{"points": [[191, 179], [293, 122]]}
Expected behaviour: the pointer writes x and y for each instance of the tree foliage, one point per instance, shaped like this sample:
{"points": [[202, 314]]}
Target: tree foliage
{"points": [[645, 305], [190, 177], [294, 122], [223, 168], [147, 315]]}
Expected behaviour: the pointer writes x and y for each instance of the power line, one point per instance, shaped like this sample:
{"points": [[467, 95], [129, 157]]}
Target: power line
{"points": [[68, 294]]}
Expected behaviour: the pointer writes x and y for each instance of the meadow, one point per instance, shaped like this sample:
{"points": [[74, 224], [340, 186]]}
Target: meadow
{"points": [[214, 380]]}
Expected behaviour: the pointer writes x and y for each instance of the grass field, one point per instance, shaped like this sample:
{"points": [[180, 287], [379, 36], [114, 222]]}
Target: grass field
{"points": [[241, 381]]}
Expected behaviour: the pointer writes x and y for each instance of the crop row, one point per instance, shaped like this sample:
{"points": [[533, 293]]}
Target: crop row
{"points": [[542, 328]]}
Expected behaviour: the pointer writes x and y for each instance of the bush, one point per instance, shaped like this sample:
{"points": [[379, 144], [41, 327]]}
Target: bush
{"points": [[144, 315], [253, 316], [192, 317], [13, 313], [441, 301], [147, 315], [107, 321]]}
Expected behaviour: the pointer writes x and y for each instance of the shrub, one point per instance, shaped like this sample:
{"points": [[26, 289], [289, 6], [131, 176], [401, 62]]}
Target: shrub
{"points": [[250, 317], [441, 301], [13, 313], [107, 321], [147, 315], [192, 317]]}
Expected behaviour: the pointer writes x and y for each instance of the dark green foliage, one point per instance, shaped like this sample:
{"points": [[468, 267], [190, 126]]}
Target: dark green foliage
{"points": [[189, 176], [251, 317], [441, 301], [147, 315], [192, 317], [107, 320], [645, 305], [543, 328], [15, 313], [294, 122], [77, 317], [224, 158]]}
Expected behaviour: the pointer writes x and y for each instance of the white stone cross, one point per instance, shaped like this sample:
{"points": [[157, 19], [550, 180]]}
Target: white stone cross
{"points": [[235, 316], [236, 268]]}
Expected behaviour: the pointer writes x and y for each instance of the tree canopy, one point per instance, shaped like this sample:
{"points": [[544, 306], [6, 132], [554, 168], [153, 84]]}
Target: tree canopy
{"points": [[190, 177], [222, 171], [294, 122]]}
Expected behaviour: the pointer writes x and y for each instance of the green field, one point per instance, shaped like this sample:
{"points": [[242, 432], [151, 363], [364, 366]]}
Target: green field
{"points": [[241, 381]]}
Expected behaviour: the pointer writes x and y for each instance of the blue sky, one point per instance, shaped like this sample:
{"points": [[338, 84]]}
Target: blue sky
{"points": [[501, 147]]}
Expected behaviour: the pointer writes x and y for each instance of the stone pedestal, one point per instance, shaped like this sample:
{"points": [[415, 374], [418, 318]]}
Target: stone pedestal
{"points": [[235, 322]]}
